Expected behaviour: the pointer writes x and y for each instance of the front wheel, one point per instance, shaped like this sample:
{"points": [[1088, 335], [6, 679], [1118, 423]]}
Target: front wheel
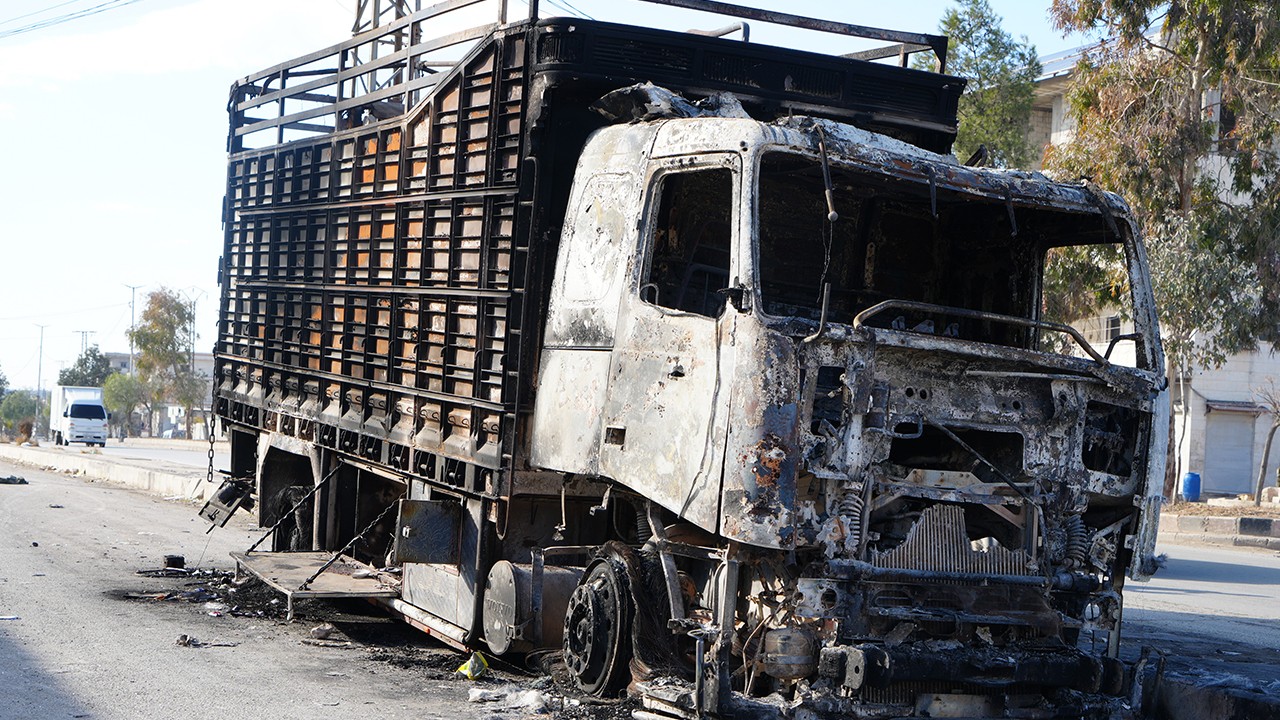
{"points": [[597, 624]]}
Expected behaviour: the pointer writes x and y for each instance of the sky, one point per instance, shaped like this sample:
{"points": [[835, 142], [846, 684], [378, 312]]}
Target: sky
{"points": [[114, 156]]}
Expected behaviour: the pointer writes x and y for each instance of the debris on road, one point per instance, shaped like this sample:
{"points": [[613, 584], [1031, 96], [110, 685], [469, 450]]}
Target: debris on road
{"points": [[510, 696], [323, 632], [13, 480], [56, 506], [474, 667], [9, 617], [327, 643], [185, 640]]}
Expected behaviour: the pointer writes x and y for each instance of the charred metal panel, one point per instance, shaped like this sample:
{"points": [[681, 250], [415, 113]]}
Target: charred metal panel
{"points": [[568, 418], [596, 248], [595, 261], [763, 457], [429, 531], [449, 590]]}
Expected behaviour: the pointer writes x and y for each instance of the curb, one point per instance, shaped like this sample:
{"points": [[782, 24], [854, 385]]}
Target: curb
{"points": [[190, 486], [1264, 543], [1214, 531], [1217, 525]]}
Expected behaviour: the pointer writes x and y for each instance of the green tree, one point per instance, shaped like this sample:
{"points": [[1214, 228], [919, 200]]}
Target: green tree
{"points": [[4, 385], [163, 338], [90, 369], [17, 406], [122, 395], [1176, 111], [995, 110]]}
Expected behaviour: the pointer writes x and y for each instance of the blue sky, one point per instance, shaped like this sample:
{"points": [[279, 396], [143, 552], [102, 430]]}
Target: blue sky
{"points": [[116, 128]]}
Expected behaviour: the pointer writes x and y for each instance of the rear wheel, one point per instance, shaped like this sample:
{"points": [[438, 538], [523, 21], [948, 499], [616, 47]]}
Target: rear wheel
{"points": [[597, 630]]}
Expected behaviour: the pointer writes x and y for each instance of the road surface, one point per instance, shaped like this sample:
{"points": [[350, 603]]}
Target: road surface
{"points": [[182, 452], [1215, 610], [73, 645]]}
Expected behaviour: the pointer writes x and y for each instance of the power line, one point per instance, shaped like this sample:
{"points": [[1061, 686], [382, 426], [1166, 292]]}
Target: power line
{"points": [[61, 314], [42, 24], [575, 9], [561, 7], [39, 12]]}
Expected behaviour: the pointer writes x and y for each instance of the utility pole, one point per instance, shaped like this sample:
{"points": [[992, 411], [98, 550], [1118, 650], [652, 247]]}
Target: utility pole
{"points": [[39, 375], [133, 289], [84, 339]]}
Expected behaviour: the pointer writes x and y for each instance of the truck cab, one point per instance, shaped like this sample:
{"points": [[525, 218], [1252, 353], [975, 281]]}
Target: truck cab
{"points": [[808, 338]]}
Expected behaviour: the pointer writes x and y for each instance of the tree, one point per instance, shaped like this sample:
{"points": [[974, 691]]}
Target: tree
{"points": [[122, 394], [90, 370], [163, 338], [17, 406], [1181, 121], [995, 109], [1269, 397], [4, 385]]}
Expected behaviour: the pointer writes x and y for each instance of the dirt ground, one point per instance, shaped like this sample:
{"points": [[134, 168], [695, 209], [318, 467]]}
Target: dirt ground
{"points": [[1245, 509]]}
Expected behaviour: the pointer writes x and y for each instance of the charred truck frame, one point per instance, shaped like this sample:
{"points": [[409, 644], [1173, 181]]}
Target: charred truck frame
{"points": [[698, 359]]}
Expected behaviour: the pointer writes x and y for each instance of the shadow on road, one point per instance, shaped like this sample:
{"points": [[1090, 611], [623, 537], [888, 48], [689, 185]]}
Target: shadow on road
{"points": [[31, 692], [1218, 572]]}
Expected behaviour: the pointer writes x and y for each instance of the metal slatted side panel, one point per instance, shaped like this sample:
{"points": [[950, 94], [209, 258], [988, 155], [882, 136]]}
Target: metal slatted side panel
{"points": [[368, 280]]}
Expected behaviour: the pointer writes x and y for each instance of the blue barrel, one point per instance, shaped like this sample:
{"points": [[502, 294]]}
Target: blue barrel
{"points": [[1191, 487]]}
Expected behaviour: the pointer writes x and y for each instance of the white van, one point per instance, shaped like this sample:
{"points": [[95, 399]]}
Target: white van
{"points": [[77, 414]]}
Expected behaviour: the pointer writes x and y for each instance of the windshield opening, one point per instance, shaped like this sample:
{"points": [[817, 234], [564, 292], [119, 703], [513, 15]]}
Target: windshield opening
{"points": [[88, 412], [888, 244]]}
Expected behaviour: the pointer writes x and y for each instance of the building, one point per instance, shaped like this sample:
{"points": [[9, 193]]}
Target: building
{"points": [[1220, 426], [170, 420], [120, 362]]}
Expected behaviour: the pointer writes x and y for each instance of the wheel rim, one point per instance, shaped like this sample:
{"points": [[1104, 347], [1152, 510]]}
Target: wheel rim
{"points": [[596, 648]]}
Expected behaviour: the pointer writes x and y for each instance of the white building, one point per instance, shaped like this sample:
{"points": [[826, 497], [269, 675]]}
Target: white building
{"points": [[1221, 425]]}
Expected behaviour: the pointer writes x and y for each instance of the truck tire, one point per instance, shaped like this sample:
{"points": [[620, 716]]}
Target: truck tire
{"points": [[597, 630]]}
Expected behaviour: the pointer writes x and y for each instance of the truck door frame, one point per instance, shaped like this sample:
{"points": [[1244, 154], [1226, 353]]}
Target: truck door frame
{"points": [[666, 412]]}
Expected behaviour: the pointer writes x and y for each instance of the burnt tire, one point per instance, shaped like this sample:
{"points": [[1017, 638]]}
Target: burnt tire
{"points": [[597, 630]]}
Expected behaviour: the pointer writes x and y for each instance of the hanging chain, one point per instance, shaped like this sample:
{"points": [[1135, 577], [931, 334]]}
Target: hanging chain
{"points": [[211, 414], [307, 583]]}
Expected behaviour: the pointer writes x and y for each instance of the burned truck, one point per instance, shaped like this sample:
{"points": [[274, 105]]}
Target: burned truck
{"points": [[701, 361]]}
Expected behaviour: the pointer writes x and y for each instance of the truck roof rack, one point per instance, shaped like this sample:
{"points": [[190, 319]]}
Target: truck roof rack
{"points": [[395, 59]]}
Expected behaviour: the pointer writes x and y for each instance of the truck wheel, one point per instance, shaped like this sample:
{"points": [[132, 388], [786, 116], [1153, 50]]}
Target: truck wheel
{"points": [[597, 625]]}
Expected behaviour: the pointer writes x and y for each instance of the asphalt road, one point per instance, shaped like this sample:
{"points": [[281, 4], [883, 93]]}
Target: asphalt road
{"points": [[195, 454], [1213, 611], [1234, 593], [73, 646]]}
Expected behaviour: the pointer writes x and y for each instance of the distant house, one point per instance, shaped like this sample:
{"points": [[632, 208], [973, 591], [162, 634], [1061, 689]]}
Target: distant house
{"points": [[120, 362], [1222, 426], [171, 421]]}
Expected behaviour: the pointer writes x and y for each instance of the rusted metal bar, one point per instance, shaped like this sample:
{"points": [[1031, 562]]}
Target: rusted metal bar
{"points": [[861, 318], [742, 27], [937, 42], [362, 39], [880, 53]]}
